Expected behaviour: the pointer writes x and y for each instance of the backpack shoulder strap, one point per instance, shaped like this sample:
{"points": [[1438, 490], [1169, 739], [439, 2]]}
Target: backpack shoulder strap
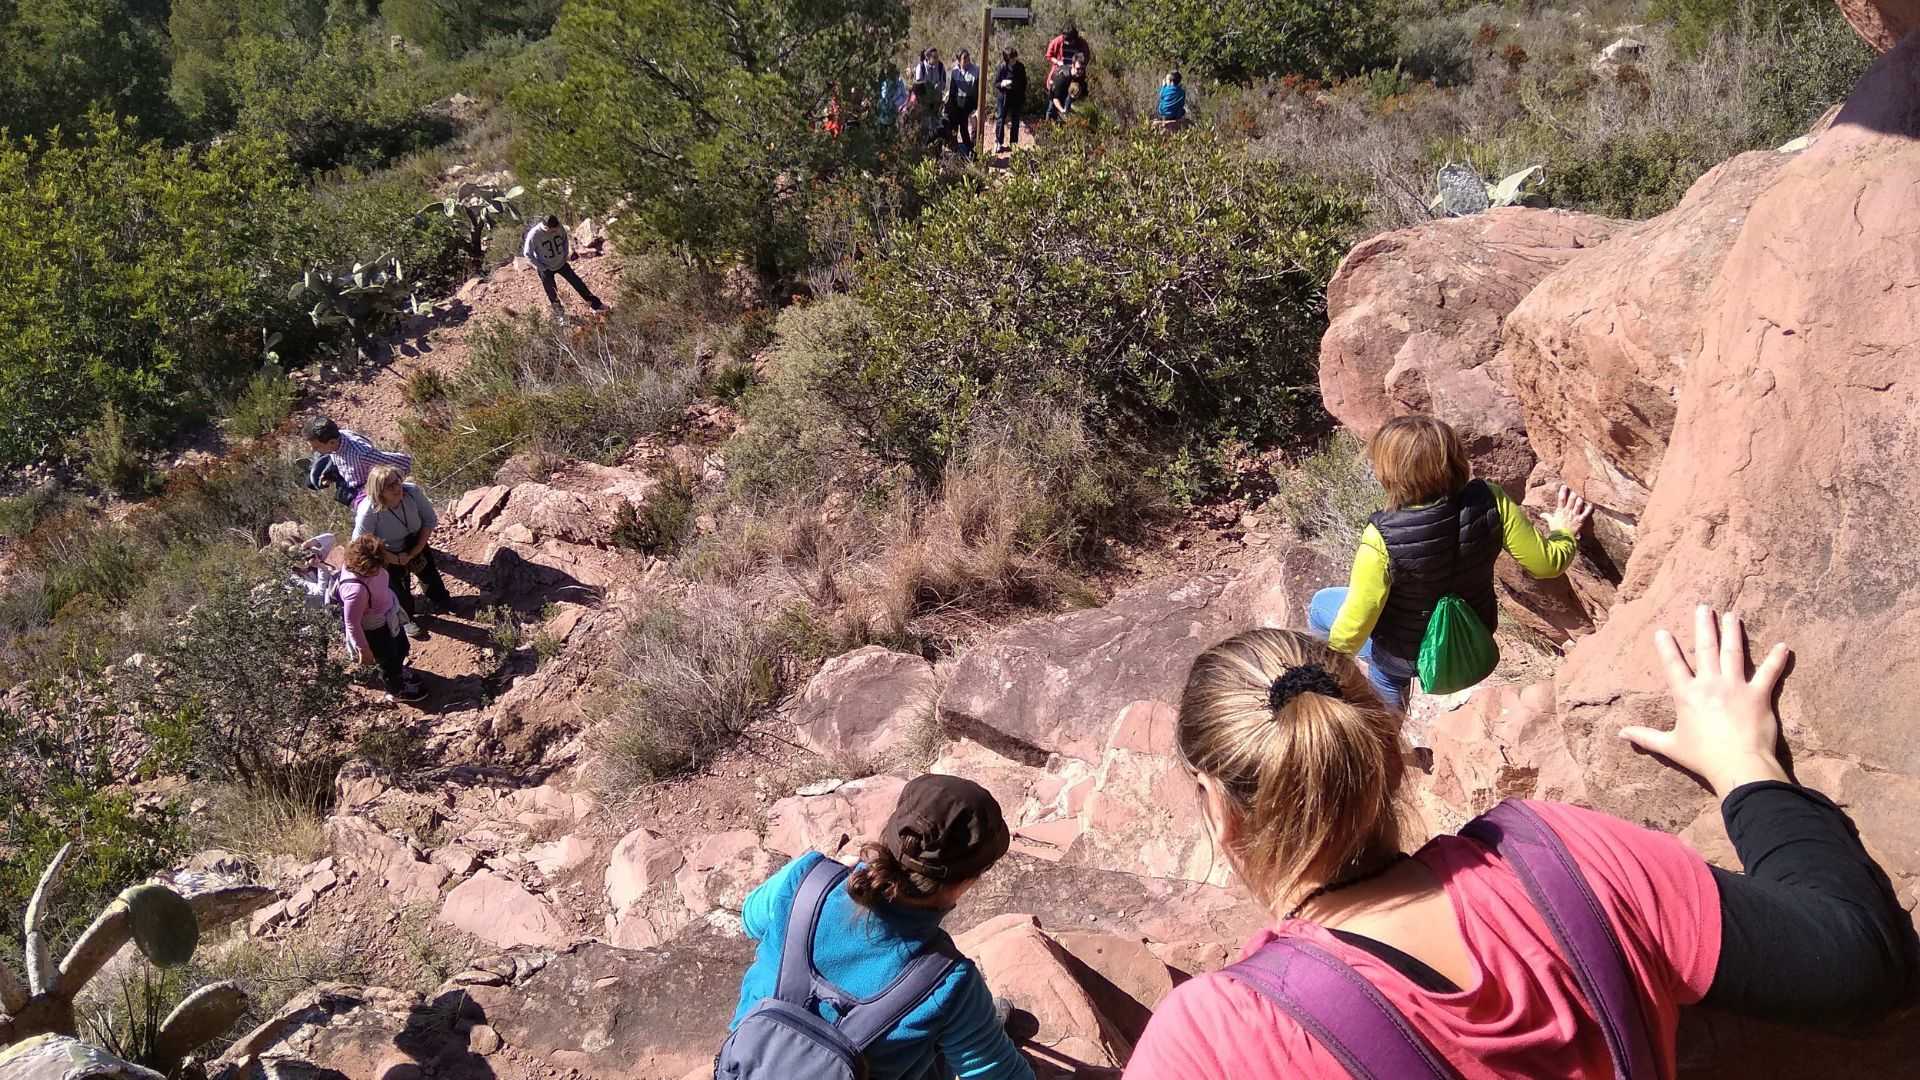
{"points": [[1343, 1012], [872, 1019], [794, 984], [1579, 924]]}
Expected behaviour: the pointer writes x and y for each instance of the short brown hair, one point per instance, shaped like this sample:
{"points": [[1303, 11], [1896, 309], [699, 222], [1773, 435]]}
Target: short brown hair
{"points": [[1314, 784], [1418, 459], [379, 477], [365, 554]]}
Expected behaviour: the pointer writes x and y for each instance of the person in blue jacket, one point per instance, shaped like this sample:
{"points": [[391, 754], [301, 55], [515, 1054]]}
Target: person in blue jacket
{"points": [[1172, 108], [944, 833]]}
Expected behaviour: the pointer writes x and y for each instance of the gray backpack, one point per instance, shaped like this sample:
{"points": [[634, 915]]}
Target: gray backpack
{"points": [[783, 1038]]}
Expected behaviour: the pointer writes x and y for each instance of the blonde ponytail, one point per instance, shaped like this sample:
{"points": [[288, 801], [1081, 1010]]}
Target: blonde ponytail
{"points": [[1312, 778]]}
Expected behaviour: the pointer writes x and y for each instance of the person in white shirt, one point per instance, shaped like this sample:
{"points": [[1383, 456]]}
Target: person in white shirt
{"points": [[546, 248]]}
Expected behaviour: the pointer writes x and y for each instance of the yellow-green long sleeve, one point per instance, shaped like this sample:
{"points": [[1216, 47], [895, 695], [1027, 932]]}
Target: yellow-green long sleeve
{"points": [[1543, 556], [1366, 595]]}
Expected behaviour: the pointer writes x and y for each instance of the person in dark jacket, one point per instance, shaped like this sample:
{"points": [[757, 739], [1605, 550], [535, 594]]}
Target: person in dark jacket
{"points": [[1441, 533], [963, 100], [1010, 84], [1067, 89]]}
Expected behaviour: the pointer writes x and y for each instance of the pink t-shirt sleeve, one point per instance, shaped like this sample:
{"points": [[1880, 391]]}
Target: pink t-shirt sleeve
{"points": [[1660, 893]]}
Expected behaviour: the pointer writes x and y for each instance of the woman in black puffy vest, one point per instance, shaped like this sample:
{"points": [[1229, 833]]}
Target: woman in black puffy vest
{"points": [[1440, 534]]}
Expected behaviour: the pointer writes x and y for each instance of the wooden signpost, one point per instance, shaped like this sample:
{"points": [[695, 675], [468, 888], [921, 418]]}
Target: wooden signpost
{"points": [[1012, 16]]}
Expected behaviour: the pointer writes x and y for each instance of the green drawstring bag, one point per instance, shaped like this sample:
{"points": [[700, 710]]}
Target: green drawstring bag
{"points": [[1457, 651]]}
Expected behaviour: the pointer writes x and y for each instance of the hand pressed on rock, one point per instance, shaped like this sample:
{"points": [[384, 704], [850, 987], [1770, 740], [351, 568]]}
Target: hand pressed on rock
{"points": [[1724, 728], [1569, 514]]}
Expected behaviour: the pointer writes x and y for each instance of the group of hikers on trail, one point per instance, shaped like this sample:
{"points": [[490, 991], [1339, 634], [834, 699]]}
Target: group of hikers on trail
{"points": [[944, 100], [1542, 941]]}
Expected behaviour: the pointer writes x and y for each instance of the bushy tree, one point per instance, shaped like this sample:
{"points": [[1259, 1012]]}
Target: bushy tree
{"points": [[348, 98], [132, 275], [451, 28], [203, 34], [61, 58], [1238, 40], [706, 113], [1170, 289]]}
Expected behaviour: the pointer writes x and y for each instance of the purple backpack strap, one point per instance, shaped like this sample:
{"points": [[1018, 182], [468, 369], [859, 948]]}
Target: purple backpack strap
{"points": [[1343, 1012], [1562, 896]]}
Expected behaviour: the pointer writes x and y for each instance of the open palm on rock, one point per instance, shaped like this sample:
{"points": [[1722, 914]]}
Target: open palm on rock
{"points": [[1724, 729]]}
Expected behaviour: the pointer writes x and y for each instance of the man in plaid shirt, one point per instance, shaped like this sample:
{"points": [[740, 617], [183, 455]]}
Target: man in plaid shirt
{"points": [[343, 459]]}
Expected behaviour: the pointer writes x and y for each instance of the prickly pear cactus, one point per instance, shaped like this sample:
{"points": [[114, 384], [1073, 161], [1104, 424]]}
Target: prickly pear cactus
{"points": [[164, 925]]}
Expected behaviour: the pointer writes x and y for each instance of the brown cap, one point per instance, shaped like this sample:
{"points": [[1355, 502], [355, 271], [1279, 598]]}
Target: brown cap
{"points": [[947, 828]]}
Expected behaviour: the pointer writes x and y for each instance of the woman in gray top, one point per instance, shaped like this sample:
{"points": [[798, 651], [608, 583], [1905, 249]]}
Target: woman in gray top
{"points": [[399, 514]]}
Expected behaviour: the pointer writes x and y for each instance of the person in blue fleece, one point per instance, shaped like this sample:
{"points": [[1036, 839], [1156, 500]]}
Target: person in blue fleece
{"points": [[944, 833], [1172, 107]]}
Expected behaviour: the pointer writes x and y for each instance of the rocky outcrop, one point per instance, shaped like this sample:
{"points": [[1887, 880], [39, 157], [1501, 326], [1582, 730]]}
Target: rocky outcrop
{"points": [[1597, 350], [1795, 506], [1055, 684], [870, 705], [1414, 326]]}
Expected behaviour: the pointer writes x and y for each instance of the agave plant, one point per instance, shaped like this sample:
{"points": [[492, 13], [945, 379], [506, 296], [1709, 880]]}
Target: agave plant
{"points": [[163, 925], [1461, 190], [365, 298], [483, 205]]}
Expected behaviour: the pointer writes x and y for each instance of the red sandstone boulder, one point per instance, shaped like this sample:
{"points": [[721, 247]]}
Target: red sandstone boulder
{"points": [[1598, 348], [1062, 1024], [871, 705], [1142, 816], [496, 909], [1055, 684], [835, 822], [1414, 326], [1796, 507], [1504, 741], [1882, 22]]}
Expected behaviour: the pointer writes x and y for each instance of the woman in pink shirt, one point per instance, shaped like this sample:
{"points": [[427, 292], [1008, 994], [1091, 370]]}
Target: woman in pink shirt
{"points": [[1299, 768], [372, 615]]}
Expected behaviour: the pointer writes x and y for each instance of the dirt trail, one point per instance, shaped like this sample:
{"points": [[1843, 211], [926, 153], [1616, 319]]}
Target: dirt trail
{"points": [[373, 399], [454, 661]]}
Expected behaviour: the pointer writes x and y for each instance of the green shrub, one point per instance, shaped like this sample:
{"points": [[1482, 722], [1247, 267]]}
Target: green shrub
{"points": [[150, 290], [688, 679], [587, 391], [114, 463], [1170, 289], [21, 514], [1822, 62], [1328, 495], [1635, 174], [663, 523], [54, 791], [264, 403], [451, 28], [1237, 40], [253, 675]]}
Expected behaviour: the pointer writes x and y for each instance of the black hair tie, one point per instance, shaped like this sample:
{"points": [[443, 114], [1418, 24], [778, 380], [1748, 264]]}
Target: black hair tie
{"points": [[1305, 679]]}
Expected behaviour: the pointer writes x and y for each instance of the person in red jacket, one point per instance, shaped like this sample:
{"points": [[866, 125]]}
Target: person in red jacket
{"points": [[1064, 47]]}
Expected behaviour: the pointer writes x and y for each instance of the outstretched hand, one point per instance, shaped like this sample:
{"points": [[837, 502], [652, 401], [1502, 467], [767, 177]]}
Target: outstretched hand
{"points": [[1569, 514], [1724, 728]]}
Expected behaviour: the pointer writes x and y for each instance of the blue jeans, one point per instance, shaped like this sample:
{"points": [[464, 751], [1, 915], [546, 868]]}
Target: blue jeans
{"points": [[1321, 614]]}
